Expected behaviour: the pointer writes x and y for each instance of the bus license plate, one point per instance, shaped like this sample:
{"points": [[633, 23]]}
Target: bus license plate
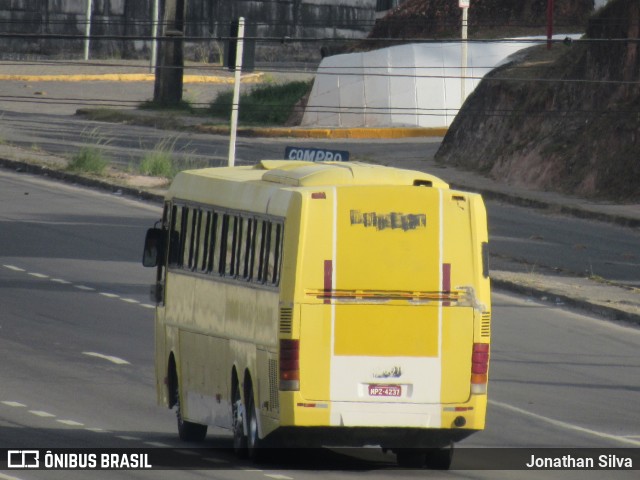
{"points": [[385, 391]]}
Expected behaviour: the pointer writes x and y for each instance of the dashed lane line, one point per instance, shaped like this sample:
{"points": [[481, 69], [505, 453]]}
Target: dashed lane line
{"points": [[14, 268], [158, 444], [40, 413], [96, 430], [14, 404], [109, 295], [85, 288], [70, 423], [7, 477], [37, 275], [110, 358]]}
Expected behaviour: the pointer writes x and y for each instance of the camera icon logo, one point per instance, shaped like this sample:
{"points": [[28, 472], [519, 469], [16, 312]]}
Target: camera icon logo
{"points": [[23, 459]]}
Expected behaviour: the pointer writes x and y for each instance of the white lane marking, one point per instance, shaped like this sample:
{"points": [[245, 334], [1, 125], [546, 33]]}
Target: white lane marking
{"points": [[109, 295], [71, 423], [37, 275], [14, 404], [40, 413], [7, 477], [277, 476], [126, 437], [110, 358], [97, 430], [565, 425], [85, 288], [157, 444], [215, 460], [14, 268]]}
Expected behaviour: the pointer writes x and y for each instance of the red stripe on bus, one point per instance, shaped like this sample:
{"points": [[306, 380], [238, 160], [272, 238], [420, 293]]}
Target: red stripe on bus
{"points": [[328, 280], [446, 280]]}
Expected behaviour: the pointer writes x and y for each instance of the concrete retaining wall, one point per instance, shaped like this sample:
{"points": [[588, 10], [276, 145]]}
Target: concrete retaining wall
{"points": [[210, 18]]}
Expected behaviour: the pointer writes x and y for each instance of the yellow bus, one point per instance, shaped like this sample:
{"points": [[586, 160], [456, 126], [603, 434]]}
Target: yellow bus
{"points": [[314, 304]]}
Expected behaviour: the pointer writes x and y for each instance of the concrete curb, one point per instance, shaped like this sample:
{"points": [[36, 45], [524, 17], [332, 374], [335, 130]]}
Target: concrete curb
{"points": [[327, 133], [85, 181], [610, 313], [129, 77]]}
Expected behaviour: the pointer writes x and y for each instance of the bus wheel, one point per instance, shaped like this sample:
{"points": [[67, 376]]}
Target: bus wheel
{"points": [[254, 444], [188, 431], [440, 458], [238, 418], [411, 457]]}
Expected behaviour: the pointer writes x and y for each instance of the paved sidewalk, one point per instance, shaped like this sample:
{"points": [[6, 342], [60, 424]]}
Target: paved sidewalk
{"points": [[593, 295]]}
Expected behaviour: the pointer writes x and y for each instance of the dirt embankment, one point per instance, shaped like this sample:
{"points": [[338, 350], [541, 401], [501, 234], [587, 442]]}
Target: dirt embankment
{"points": [[566, 119]]}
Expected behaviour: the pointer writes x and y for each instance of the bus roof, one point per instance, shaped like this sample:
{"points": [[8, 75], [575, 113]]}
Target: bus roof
{"points": [[253, 187], [312, 174]]}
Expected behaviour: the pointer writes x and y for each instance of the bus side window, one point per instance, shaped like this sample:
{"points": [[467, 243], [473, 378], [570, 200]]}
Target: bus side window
{"points": [[266, 261], [174, 239], [277, 253], [205, 232], [256, 248], [224, 238], [247, 244], [235, 250], [195, 239], [214, 243], [188, 233]]}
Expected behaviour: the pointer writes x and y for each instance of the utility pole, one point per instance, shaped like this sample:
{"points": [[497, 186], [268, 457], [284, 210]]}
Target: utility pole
{"points": [[170, 67], [549, 23], [87, 29], [155, 11], [235, 106], [464, 5]]}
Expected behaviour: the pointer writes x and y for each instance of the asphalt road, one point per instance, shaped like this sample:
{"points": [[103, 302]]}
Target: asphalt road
{"points": [[74, 308], [530, 238]]}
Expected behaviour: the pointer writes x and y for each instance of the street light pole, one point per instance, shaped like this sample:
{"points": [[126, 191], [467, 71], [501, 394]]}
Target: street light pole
{"points": [[464, 5], [549, 23], [87, 29]]}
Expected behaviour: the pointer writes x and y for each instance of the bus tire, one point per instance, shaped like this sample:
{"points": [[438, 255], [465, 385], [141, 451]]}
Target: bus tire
{"points": [[411, 457], [440, 458], [255, 446], [238, 416], [188, 431]]}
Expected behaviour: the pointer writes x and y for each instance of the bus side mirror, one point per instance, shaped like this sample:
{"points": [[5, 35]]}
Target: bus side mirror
{"points": [[153, 247]]}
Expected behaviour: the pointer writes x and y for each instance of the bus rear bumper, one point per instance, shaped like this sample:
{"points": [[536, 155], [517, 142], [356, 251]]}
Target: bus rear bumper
{"points": [[389, 438]]}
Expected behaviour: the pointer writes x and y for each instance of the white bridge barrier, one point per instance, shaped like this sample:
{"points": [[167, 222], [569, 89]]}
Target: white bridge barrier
{"points": [[415, 85]]}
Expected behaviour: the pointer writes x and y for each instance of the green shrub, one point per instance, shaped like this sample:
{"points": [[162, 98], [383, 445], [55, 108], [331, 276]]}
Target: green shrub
{"points": [[88, 160], [268, 104]]}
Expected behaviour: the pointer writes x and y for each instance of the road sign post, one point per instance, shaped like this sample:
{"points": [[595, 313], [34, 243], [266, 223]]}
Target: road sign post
{"points": [[236, 95]]}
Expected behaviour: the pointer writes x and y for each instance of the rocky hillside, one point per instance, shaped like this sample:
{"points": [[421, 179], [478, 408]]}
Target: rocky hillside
{"points": [[487, 18], [567, 119]]}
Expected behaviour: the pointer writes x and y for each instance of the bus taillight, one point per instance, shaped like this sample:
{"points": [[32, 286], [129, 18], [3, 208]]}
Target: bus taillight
{"points": [[479, 368], [290, 365]]}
